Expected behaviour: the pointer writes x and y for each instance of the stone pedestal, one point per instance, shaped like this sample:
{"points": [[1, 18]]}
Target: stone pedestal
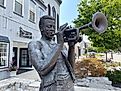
{"points": [[13, 73]]}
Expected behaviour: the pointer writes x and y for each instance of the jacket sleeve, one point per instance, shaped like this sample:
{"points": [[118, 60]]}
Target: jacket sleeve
{"points": [[43, 64]]}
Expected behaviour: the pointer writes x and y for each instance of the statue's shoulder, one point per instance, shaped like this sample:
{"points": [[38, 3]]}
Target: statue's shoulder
{"points": [[35, 44]]}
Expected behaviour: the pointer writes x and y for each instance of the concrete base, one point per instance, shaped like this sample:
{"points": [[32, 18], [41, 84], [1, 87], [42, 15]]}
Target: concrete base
{"points": [[18, 84], [4, 74]]}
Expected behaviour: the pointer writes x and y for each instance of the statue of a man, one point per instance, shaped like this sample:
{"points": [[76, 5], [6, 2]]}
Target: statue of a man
{"points": [[52, 61]]}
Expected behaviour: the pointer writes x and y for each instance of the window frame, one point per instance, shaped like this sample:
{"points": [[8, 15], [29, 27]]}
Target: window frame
{"points": [[24, 58], [49, 10], [58, 20], [4, 4], [54, 12], [7, 55], [32, 11], [22, 8], [31, 18]]}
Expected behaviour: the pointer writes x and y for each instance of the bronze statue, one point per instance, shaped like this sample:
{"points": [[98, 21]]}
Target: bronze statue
{"points": [[53, 62]]}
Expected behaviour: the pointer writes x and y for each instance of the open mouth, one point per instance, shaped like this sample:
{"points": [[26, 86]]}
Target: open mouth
{"points": [[51, 33]]}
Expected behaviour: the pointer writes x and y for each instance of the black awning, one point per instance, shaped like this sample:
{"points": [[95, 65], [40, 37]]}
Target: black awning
{"points": [[4, 39]]}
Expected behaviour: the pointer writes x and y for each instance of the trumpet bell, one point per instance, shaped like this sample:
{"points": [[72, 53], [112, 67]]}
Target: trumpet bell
{"points": [[99, 22]]}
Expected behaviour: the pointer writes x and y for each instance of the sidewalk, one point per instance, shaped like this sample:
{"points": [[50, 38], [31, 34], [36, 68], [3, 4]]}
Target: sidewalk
{"points": [[91, 89], [33, 75], [19, 84], [30, 81]]}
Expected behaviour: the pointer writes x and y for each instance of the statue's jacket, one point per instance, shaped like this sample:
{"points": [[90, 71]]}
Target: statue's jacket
{"points": [[60, 71]]}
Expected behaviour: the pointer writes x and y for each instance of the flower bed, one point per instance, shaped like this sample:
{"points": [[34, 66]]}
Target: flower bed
{"points": [[89, 67]]}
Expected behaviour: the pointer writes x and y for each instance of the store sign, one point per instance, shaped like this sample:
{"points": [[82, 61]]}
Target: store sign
{"points": [[25, 34]]}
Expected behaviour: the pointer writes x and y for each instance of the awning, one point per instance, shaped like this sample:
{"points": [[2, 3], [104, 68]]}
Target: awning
{"points": [[4, 39]]}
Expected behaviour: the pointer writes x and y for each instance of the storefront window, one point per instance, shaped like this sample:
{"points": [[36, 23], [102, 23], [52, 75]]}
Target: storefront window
{"points": [[3, 54]]}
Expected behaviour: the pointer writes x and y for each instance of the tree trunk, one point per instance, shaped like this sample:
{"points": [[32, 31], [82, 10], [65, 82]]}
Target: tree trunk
{"points": [[106, 56], [111, 55]]}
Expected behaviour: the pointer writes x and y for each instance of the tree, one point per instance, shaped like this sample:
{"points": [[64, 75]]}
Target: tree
{"points": [[110, 39]]}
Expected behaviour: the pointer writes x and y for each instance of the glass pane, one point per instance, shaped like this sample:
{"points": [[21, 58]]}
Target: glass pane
{"points": [[24, 62], [18, 8], [0, 49], [24, 58], [32, 16], [41, 12], [32, 6], [5, 50], [54, 12], [24, 52], [3, 54], [2, 2], [2, 61]]}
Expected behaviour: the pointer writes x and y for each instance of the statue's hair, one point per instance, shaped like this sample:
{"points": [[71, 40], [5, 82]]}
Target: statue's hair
{"points": [[42, 19]]}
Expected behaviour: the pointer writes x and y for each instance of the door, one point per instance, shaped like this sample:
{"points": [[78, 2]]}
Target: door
{"points": [[24, 58], [14, 58]]}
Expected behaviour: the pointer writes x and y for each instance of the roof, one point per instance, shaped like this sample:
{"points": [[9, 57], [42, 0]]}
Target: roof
{"points": [[60, 1], [4, 39]]}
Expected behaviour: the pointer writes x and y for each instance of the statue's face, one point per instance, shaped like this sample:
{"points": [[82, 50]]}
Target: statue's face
{"points": [[49, 28]]}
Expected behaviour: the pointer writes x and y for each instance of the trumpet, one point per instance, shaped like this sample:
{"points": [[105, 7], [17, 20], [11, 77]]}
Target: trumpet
{"points": [[99, 24]]}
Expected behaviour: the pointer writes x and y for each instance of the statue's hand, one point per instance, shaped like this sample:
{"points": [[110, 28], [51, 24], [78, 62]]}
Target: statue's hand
{"points": [[61, 33], [74, 42], [71, 43]]}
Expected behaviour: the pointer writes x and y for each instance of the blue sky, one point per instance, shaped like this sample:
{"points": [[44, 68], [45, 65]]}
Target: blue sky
{"points": [[68, 11]]}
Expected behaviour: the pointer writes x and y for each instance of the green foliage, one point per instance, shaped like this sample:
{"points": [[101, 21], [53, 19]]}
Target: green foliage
{"points": [[110, 39], [91, 49], [111, 64], [114, 76]]}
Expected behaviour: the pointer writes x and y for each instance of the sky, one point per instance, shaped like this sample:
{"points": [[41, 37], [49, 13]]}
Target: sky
{"points": [[68, 11]]}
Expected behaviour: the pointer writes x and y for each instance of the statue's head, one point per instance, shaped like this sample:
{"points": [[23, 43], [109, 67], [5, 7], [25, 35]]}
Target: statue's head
{"points": [[47, 26]]}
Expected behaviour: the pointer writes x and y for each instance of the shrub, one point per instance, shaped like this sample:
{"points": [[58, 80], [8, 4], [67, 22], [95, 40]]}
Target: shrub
{"points": [[111, 64], [114, 76], [89, 67]]}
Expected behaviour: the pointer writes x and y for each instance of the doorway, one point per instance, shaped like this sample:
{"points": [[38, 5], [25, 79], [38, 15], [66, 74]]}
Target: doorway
{"points": [[14, 58], [24, 58]]}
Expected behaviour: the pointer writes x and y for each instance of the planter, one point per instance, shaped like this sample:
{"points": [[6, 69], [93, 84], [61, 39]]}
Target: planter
{"points": [[13, 73]]}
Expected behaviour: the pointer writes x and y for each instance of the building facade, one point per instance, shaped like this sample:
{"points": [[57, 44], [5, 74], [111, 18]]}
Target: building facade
{"points": [[19, 21], [82, 47]]}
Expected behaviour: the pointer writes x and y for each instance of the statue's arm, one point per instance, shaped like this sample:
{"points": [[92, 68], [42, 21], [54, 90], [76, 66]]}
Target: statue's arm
{"points": [[43, 64], [71, 55]]}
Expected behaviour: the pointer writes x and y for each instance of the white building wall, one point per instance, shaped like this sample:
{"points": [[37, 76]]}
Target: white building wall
{"points": [[55, 4], [11, 22]]}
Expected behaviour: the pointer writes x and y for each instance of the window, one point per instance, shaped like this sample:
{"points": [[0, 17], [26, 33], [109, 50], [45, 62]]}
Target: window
{"points": [[3, 3], [54, 12], [57, 21], [18, 7], [4, 54], [24, 59], [49, 10], [41, 11], [32, 11]]}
